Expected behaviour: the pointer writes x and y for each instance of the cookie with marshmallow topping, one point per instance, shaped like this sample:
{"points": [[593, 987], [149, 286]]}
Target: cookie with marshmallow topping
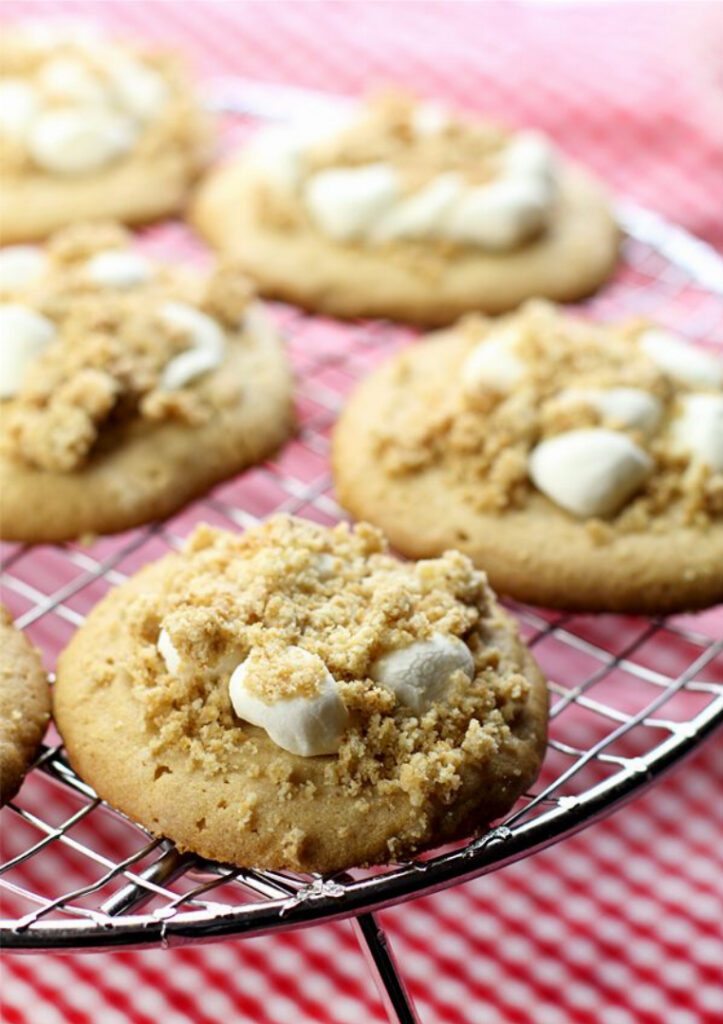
{"points": [[127, 387], [297, 698], [405, 210], [579, 464], [90, 128]]}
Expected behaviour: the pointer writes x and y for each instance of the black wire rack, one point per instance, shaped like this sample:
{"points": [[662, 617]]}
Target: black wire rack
{"points": [[630, 696]]}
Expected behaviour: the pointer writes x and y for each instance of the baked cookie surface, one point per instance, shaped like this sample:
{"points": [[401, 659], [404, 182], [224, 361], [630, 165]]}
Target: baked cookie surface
{"points": [[396, 707], [128, 387], [24, 706], [91, 129], [407, 212], [580, 465]]}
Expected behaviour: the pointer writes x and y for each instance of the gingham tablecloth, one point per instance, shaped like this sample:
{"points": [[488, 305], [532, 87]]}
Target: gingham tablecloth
{"points": [[622, 924]]}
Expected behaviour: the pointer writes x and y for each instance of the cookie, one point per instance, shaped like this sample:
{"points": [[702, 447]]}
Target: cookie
{"points": [[580, 465], [405, 211], [92, 129], [128, 387], [295, 698], [24, 706]]}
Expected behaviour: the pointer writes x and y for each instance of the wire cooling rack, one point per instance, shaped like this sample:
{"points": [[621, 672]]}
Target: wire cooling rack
{"points": [[630, 696]]}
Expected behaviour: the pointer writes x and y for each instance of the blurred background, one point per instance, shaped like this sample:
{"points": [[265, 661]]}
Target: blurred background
{"points": [[622, 924]]}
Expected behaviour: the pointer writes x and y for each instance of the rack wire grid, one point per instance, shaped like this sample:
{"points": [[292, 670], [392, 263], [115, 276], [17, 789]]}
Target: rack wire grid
{"points": [[629, 696]]}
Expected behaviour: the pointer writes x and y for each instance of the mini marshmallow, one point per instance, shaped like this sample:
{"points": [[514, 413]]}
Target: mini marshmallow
{"points": [[169, 653], [279, 151], [141, 91], [70, 81], [20, 265], [681, 360], [499, 215], [699, 428], [207, 345], [177, 666], [303, 725], [23, 336], [589, 472], [493, 364], [345, 203], [529, 154], [77, 141], [423, 212], [118, 268], [632, 408], [420, 673], [18, 107], [429, 118]]}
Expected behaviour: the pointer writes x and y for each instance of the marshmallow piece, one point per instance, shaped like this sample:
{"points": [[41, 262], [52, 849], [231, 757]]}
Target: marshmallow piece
{"points": [[589, 472], [279, 151], [20, 265], [499, 215], [18, 107], [207, 348], [118, 268], [632, 408], [77, 141], [429, 118], [68, 80], [421, 215], [681, 360], [304, 725], [493, 364], [529, 154], [169, 653], [141, 91], [23, 336], [345, 203], [420, 673], [699, 429], [176, 665]]}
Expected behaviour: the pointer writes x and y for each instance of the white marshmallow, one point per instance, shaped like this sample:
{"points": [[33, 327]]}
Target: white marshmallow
{"points": [[23, 336], [169, 653], [345, 203], [18, 107], [628, 407], [118, 268], [699, 428], [279, 151], [70, 81], [501, 214], [20, 265], [429, 118], [423, 212], [681, 360], [207, 345], [529, 154], [76, 141], [307, 726], [141, 91], [589, 472], [493, 364], [420, 673], [177, 666]]}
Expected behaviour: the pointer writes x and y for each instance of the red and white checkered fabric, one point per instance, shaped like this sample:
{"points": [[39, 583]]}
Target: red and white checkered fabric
{"points": [[622, 924]]}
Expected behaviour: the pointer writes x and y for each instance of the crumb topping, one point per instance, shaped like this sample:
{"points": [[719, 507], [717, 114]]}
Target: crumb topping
{"points": [[337, 594], [179, 126], [482, 438], [104, 366]]}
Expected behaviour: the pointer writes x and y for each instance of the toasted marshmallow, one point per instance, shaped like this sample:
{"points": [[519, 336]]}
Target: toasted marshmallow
{"points": [[18, 107], [589, 472], [20, 265], [346, 203], [493, 364], [141, 91], [421, 214], [207, 345], [118, 268], [421, 673], [681, 360], [67, 80], [699, 428], [632, 408], [429, 118], [501, 214], [307, 725], [77, 141], [23, 336]]}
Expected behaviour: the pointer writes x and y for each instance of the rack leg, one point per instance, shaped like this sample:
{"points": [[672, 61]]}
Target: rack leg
{"points": [[380, 958]]}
